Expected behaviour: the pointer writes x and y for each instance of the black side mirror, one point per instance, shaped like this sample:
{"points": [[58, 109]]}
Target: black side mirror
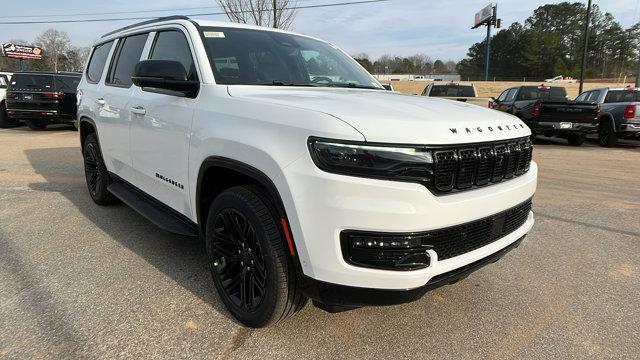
{"points": [[167, 75]]}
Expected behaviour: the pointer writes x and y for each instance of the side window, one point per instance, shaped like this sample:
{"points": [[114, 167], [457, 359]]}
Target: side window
{"points": [[173, 45], [127, 56], [97, 62], [512, 94], [503, 96], [593, 97], [584, 96]]}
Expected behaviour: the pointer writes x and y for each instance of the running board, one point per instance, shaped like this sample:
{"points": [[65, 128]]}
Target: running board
{"points": [[162, 216]]}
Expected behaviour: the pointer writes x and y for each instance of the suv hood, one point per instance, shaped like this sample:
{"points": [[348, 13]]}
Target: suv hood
{"points": [[384, 116]]}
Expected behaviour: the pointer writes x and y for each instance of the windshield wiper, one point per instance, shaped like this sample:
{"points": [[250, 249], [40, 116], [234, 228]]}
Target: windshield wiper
{"points": [[272, 83], [352, 85]]}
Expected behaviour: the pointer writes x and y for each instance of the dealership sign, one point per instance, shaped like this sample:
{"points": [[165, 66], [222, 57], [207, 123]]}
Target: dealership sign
{"points": [[483, 15], [21, 51]]}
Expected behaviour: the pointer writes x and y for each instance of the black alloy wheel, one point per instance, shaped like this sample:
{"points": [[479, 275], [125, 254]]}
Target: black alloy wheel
{"points": [[240, 263], [251, 269], [96, 173], [606, 136]]}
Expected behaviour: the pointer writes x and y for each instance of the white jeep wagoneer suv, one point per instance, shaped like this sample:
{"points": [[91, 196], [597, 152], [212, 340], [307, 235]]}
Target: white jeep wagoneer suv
{"points": [[302, 175]]}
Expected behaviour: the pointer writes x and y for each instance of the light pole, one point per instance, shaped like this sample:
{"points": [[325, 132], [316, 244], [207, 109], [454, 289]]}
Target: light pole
{"points": [[584, 47]]}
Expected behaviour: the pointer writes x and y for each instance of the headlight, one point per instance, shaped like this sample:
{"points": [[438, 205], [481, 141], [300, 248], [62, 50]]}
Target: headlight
{"points": [[391, 162]]}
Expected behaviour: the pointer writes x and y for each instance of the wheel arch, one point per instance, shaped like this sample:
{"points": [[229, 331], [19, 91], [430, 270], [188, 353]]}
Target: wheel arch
{"points": [[86, 126], [607, 117]]}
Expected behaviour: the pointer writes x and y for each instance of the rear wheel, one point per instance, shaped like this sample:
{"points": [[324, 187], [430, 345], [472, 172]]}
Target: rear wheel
{"points": [[5, 122], [577, 140], [37, 124], [96, 173], [606, 136], [249, 264]]}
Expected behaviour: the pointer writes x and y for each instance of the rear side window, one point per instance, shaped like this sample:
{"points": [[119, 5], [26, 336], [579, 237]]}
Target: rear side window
{"points": [[97, 62], [512, 94], [32, 82], [67, 84], [535, 93], [452, 90], [128, 56], [173, 45], [616, 96]]}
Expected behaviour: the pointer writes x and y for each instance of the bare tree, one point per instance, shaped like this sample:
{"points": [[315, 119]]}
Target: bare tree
{"points": [[54, 44], [272, 13]]}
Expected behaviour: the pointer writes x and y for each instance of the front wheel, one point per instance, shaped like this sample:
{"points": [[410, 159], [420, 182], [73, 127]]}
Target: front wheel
{"points": [[249, 264], [606, 136], [37, 124], [96, 173]]}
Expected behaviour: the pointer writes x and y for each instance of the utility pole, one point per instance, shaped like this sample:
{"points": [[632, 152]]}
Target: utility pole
{"points": [[487, 51], [638, 75], [275, 15], [585, 46]]}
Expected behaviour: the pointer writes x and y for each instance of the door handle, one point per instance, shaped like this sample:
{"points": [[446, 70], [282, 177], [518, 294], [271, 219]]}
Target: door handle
{"points": [[138, 110], [101, 102]]}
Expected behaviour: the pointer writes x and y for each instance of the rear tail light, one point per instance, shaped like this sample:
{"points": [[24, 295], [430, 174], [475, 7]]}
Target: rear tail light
{"points": [[490, 104], [535, 111], [630, 112], [598, 112], [52, 95]]}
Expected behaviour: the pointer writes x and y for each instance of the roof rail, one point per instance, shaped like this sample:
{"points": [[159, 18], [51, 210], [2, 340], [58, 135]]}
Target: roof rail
{"points": [[174, 17]]}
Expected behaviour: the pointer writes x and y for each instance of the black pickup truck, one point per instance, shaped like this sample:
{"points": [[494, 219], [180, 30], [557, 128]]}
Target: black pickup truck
{"points": [[41, 98], [547, 111]]}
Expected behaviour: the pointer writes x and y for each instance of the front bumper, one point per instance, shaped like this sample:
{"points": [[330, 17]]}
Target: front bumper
{"points": [[323, 205], [334, 297]]}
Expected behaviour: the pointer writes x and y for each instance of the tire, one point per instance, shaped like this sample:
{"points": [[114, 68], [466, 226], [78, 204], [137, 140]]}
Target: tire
{"points": [[606, 136], [250, 267], [5, 122], [577, 140], [96, 174], [37, 124]]}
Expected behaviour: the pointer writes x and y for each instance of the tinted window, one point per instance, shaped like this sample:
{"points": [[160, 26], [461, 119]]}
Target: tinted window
{"points": [[173, 45], [32, 82], [245, 56], [615, 96], [583, 96], [503, 96], [97, 62], [67, 84], [542, 93], [128, 56], [3, 82], [512, 94], [452, 90]]}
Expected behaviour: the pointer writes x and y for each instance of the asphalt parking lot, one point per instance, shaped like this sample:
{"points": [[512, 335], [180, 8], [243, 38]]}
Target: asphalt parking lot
{"points": [[82, 281]]}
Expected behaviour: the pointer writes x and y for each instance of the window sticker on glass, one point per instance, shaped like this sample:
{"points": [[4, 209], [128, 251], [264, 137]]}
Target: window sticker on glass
{"points": [[213, 34]]}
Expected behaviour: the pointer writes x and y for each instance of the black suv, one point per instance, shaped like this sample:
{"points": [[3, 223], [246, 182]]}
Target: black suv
{"points": [[41, 98]]}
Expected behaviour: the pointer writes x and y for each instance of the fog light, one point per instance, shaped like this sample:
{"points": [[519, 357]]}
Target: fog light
{"points": [[382, 251]]}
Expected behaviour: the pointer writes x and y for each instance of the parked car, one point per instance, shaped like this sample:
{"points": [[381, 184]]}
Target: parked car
{"points": [[4, 83], [300, 186], [620, 113], [458, 92], [561, 78], [41, 98], [547, 111]]}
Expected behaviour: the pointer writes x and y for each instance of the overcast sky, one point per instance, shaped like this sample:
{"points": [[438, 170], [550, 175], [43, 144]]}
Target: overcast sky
{"points": [[438, 28]]}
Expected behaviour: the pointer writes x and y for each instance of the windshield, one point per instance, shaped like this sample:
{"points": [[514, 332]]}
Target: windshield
{"points": [[542, 93], [258, 57], [452, 90]]}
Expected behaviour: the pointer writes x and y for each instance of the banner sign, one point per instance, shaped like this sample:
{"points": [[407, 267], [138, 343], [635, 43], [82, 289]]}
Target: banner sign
{"points": [[483, 15], [21, 51]]}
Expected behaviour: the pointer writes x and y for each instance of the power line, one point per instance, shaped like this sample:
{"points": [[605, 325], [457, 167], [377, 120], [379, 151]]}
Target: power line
{"points": [[196, 14]]}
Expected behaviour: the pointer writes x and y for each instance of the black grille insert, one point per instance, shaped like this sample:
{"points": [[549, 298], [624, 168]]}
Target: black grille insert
{"points": [[467, 166], [447, 242]]}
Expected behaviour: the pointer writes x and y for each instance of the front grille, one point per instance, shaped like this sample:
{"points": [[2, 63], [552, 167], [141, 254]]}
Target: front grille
{"points": [[465, 167], [371, 249]]}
